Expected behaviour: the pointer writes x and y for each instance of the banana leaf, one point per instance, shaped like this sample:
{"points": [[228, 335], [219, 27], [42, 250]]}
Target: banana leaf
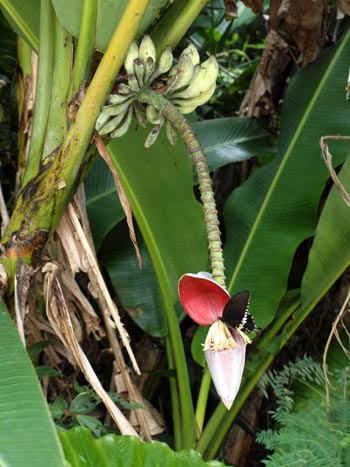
{"points": [[23, 16], [330, 252], [158, 184], [226, 140], [108, 16], [102, 201], [118, 451], [137, 288], [276, 209], [27, 434]]}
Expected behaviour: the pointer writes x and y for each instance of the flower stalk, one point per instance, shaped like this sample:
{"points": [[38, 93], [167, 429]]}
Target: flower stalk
{"points": [[175, 117]]}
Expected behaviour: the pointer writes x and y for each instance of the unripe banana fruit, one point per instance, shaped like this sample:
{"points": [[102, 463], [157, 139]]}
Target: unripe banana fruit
{"points": [[132, 54], [147, 49], [194, 101], [183, 76], [205, 78], [192, 52], [188, 84], [165, 61]]}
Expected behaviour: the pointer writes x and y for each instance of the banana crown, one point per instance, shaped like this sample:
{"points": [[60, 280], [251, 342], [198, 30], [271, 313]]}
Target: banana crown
{"points": [[187, 85]]}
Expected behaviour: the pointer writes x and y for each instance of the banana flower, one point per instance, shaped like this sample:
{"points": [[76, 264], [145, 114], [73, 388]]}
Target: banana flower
{"points": [[209, 304]]}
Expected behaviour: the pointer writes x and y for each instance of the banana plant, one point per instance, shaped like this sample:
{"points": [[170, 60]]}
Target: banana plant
{"points": [[265, 219]]}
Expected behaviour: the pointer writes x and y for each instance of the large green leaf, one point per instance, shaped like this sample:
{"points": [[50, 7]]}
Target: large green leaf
{"points": [[226, 140], [120, 451], [158, 183], [23, 16], [102, 201], [138, 289], [330, 251], [109, 13], [268, 217], [27, 434]]}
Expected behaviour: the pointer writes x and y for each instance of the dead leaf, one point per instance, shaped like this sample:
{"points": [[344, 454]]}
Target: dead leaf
{"points": [[121, 193], [344, 6], [327, 157], [60, 320]]}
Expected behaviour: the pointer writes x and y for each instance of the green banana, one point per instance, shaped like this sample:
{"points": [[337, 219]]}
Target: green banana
{"points": [[117, 99], [183, 77], [131, 55], [147, 49], [123, 128], [140, 115], [205, 78], [133, 83], [153, 135], [187, 85], [153, 115], [150, 68], [185, 105], [165, 61], [124, 89], [192, 52], [139, 71], [112, 124]]}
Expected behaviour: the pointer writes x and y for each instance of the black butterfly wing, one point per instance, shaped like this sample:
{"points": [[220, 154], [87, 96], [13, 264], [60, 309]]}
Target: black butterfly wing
{"points": [[236, 314]]}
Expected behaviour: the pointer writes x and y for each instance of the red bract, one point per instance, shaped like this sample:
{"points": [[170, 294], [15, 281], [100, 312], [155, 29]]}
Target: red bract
{"points": [[204, 300]]}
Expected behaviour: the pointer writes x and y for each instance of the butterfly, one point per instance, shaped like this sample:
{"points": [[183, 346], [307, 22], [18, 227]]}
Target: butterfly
{"points": [[236, 314]]}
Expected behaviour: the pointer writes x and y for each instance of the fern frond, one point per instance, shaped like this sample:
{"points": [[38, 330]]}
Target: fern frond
{"points": [[307, 433]]}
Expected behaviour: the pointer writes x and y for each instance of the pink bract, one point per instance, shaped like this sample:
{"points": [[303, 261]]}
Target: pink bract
{"points": [[226, 369], [202, 298]]}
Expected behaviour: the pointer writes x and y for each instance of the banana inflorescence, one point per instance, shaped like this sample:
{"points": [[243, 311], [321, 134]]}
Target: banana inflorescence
{"points": [[187, 85]]}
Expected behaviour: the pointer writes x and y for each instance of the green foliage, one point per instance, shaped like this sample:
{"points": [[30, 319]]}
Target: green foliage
{"points": [[109, 13], [227, 140], [275, 210], [23, 16], [237, 45], [265, 221], [79, 412], [330, 252], [118, 451], [137, 288], [161, 177], [27, 434], [102, 201], [307, 433]]}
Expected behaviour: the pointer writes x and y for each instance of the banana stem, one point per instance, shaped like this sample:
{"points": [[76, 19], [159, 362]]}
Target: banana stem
{"points": [[170, 112], [175, 23], [43, 91], [24, 84], [175, 402], [203, 399], [85, 47], [57, 125], [41, 205]]}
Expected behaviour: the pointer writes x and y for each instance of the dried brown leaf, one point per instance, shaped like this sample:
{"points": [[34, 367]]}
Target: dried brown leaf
{"points": [[121, 193], [344, 6], [60, 320], [327, 156], [22, 283]]}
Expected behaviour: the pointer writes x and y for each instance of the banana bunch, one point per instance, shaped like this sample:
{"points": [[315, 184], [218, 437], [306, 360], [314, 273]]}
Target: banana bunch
{"points": [[187, 85]]}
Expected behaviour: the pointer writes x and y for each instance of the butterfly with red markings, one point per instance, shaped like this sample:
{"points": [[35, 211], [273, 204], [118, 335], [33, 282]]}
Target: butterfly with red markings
{"points": [[236, 313]]}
